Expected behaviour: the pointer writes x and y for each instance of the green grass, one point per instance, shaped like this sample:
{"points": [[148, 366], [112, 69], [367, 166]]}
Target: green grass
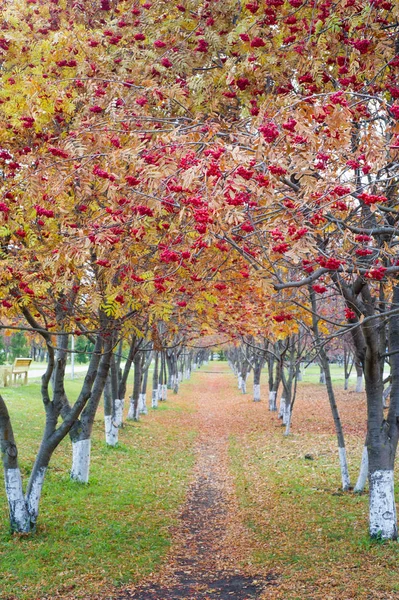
{"points": [[305, 528], [312, 374], [111, 531]]}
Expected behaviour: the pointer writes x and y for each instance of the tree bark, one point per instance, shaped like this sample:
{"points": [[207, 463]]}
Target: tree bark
{"points": [[325, 366], [20, 520], [82, 429], [155, 378], [133, 413]]}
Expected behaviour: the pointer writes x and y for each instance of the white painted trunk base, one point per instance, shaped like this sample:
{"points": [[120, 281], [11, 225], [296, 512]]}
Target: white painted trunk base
{"points": [[143, 405], [154, 398], [243, 386], [256, 392], [118, 407], [33, 499], [287, 419], [180, 377], [281, 411], [130, 412], [164, 392], [382, 509], [272, 401], [81, 460], [346, 384], [111, 431], [359, 384], [239, 382], [137, 413], [344, 469], [287, 412], [19, 516], [363, 473]]}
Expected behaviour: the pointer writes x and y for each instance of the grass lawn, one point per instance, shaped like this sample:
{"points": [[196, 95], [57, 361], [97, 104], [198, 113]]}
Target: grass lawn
{"points": [[309, 534], [306, 534], [111, 531]]}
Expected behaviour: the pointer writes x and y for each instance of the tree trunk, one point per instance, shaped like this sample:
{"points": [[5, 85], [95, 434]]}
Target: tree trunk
{"points": [[20, 520], [155, 377], [110, 423], [359, 378], [81, 431], [257, 374], [133, 413], [272, 401], [143, 404], [325, 368], [382, 435], [363, 472], [282, 411], [273, 392], [337, 423], [169, 365]]}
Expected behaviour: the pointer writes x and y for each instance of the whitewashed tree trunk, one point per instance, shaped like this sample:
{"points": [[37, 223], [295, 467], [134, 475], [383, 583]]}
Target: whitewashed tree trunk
{"points": [[130, 414], [164, 393], [24, 510], [180, 376], [359, 384], [243, 385], [33, 498], [111, 431], [287, 419], [344, 469], [240, 382], [195, 366], [272, 401], [287, 413], [299, 376], [137, 412], [81, 460], [382, 505], [19, 516], [143, 405], [281, 411], [256, 392], [118, 407], [346, 384], [363, 473], [154, 398]]}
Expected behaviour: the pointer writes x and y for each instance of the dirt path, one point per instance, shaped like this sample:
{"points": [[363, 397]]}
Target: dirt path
{"points": [[210, 556]]}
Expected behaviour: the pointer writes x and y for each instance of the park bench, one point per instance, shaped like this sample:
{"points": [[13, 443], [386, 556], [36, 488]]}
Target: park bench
{"points": [[19, 368]]}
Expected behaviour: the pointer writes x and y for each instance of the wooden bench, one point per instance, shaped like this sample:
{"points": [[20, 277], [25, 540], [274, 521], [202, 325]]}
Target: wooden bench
{"points": [[19, 368]]}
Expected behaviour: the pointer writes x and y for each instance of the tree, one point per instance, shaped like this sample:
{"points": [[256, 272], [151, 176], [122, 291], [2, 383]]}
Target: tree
{"points": [[83, 349], [18, 345]]}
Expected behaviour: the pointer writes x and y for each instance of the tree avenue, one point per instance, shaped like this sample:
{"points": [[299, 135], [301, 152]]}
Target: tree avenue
{"points": [[170, 167]]}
